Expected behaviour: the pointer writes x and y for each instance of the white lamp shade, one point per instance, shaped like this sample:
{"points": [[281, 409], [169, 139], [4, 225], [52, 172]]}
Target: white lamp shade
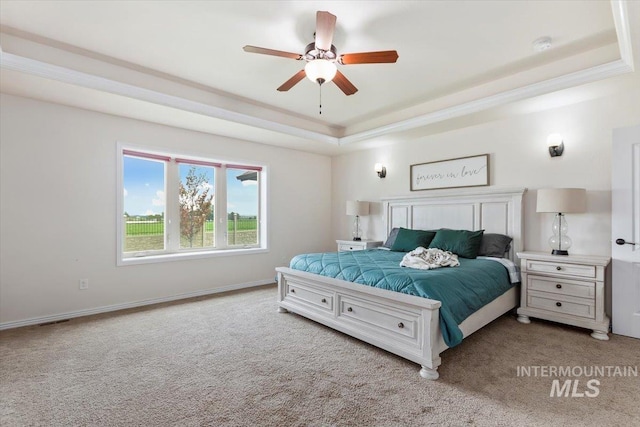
{"points": [[320, 69], [357, 208], [562, 200], [554, 140]]}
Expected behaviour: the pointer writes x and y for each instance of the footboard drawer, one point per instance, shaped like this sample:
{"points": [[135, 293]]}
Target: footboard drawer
{"points": [[311, 296], [380, 319]]}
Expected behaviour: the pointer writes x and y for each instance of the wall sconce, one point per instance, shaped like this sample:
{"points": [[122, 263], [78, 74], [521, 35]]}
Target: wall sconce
{"points": [[380, 170], [556, 145]]}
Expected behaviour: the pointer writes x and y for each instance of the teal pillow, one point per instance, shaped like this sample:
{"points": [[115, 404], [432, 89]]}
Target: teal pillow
{"points": [[407, 240], [463, 243]]}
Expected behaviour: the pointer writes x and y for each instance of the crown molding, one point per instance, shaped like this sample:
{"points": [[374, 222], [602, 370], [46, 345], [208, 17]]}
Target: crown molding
{"points": [[621, 22], [34, 67], [589, 75]]}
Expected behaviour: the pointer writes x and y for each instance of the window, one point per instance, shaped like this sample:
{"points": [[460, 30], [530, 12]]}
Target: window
{"points": [[242, 205], [175, 206], [144, 195], [197, 207]]}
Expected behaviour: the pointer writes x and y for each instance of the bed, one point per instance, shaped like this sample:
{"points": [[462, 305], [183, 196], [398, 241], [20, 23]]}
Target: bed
{"points": [[410, 326]]}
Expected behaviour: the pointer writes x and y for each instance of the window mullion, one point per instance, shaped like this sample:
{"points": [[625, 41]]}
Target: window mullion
{"points": [[261, 214], [172, 207], [221, 207]]}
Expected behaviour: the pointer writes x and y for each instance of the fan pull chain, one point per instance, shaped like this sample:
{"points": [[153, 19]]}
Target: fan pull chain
{"points": [[320, 80]]}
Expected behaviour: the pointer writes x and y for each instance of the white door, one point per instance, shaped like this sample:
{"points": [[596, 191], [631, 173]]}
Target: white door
{"points": [[625, 228]]}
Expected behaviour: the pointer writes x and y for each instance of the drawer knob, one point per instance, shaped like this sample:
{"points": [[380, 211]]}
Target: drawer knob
{"points": [[400, 325], [558, 268], [324, 300], [293, 291], [559, 286], [559, 304], [349, 309]]}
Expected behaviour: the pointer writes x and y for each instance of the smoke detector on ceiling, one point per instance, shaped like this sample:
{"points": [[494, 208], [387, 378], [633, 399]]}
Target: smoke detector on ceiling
{"points": [[543, 43]]}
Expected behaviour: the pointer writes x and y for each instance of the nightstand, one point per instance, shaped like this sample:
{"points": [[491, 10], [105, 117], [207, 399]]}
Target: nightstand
{"points": [[357, 245], [566, 289]]}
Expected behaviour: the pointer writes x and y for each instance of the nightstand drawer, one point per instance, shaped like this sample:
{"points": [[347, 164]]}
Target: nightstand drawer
{"points": [[355, 247], [561, 269], [314, 297], [562, 286], [561, 304]]}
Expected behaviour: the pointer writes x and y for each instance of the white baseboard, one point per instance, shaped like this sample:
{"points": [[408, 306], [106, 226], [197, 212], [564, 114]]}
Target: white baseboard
{"points": [[116, 307]]}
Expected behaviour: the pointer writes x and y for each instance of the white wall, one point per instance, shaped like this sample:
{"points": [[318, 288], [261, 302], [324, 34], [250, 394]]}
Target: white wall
{"points": [[58, 193], [58, 211], [518, 158]]}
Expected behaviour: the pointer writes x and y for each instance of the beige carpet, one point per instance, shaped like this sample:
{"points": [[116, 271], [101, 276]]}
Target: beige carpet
{"points": [[232, 360]]}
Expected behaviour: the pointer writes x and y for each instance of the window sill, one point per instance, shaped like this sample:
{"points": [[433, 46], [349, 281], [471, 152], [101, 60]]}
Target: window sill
{"points": [[183, 256]]}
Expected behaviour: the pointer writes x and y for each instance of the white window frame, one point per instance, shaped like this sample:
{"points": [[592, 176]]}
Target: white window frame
{"points": [[172, 251]]}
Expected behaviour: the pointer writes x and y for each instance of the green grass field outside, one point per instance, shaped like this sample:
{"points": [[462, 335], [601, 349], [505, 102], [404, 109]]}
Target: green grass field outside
{"points": [[153, 228]]}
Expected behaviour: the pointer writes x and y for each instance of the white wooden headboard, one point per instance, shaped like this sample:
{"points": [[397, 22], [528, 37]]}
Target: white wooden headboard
{"points": [[496, 210]]}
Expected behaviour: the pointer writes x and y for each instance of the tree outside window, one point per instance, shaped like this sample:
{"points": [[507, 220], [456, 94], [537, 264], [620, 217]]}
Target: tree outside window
{"points": [[196, 200]]}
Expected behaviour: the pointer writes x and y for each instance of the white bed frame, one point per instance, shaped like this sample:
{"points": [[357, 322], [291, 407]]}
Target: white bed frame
{"points": [[403, 324]]}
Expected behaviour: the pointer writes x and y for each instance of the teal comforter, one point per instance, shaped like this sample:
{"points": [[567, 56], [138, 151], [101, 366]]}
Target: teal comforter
{"points": [[461, 290]]}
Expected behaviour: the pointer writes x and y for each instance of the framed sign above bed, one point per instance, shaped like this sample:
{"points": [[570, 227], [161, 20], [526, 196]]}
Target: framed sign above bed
{"points": [[472, 171]]}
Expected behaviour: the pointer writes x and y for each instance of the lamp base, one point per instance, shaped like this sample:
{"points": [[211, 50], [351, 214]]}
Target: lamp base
{"points": [[357, 239], [559, 252]]}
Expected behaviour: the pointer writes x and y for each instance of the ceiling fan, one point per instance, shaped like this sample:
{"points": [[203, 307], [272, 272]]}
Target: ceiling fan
{"points": [[322, 56]]}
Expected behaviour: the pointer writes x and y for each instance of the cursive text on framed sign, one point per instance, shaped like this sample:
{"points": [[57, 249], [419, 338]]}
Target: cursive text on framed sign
{"points": [[472, 171]]}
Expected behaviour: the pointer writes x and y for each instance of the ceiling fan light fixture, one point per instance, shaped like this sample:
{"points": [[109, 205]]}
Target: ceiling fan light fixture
{"points": [[322, 58], [320, 70]]}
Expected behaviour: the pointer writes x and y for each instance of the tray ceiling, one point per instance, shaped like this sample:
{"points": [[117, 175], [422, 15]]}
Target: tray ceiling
{"points": [[182, 63]]}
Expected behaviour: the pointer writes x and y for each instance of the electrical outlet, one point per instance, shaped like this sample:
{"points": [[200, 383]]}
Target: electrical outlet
{"points": [[83, 284]]}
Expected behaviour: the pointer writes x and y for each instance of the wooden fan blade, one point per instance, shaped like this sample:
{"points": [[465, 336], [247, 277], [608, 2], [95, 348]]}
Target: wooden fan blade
{"points": [[384, 56], [293, 81], [325, 25], [264, 51], [344, 84]]}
